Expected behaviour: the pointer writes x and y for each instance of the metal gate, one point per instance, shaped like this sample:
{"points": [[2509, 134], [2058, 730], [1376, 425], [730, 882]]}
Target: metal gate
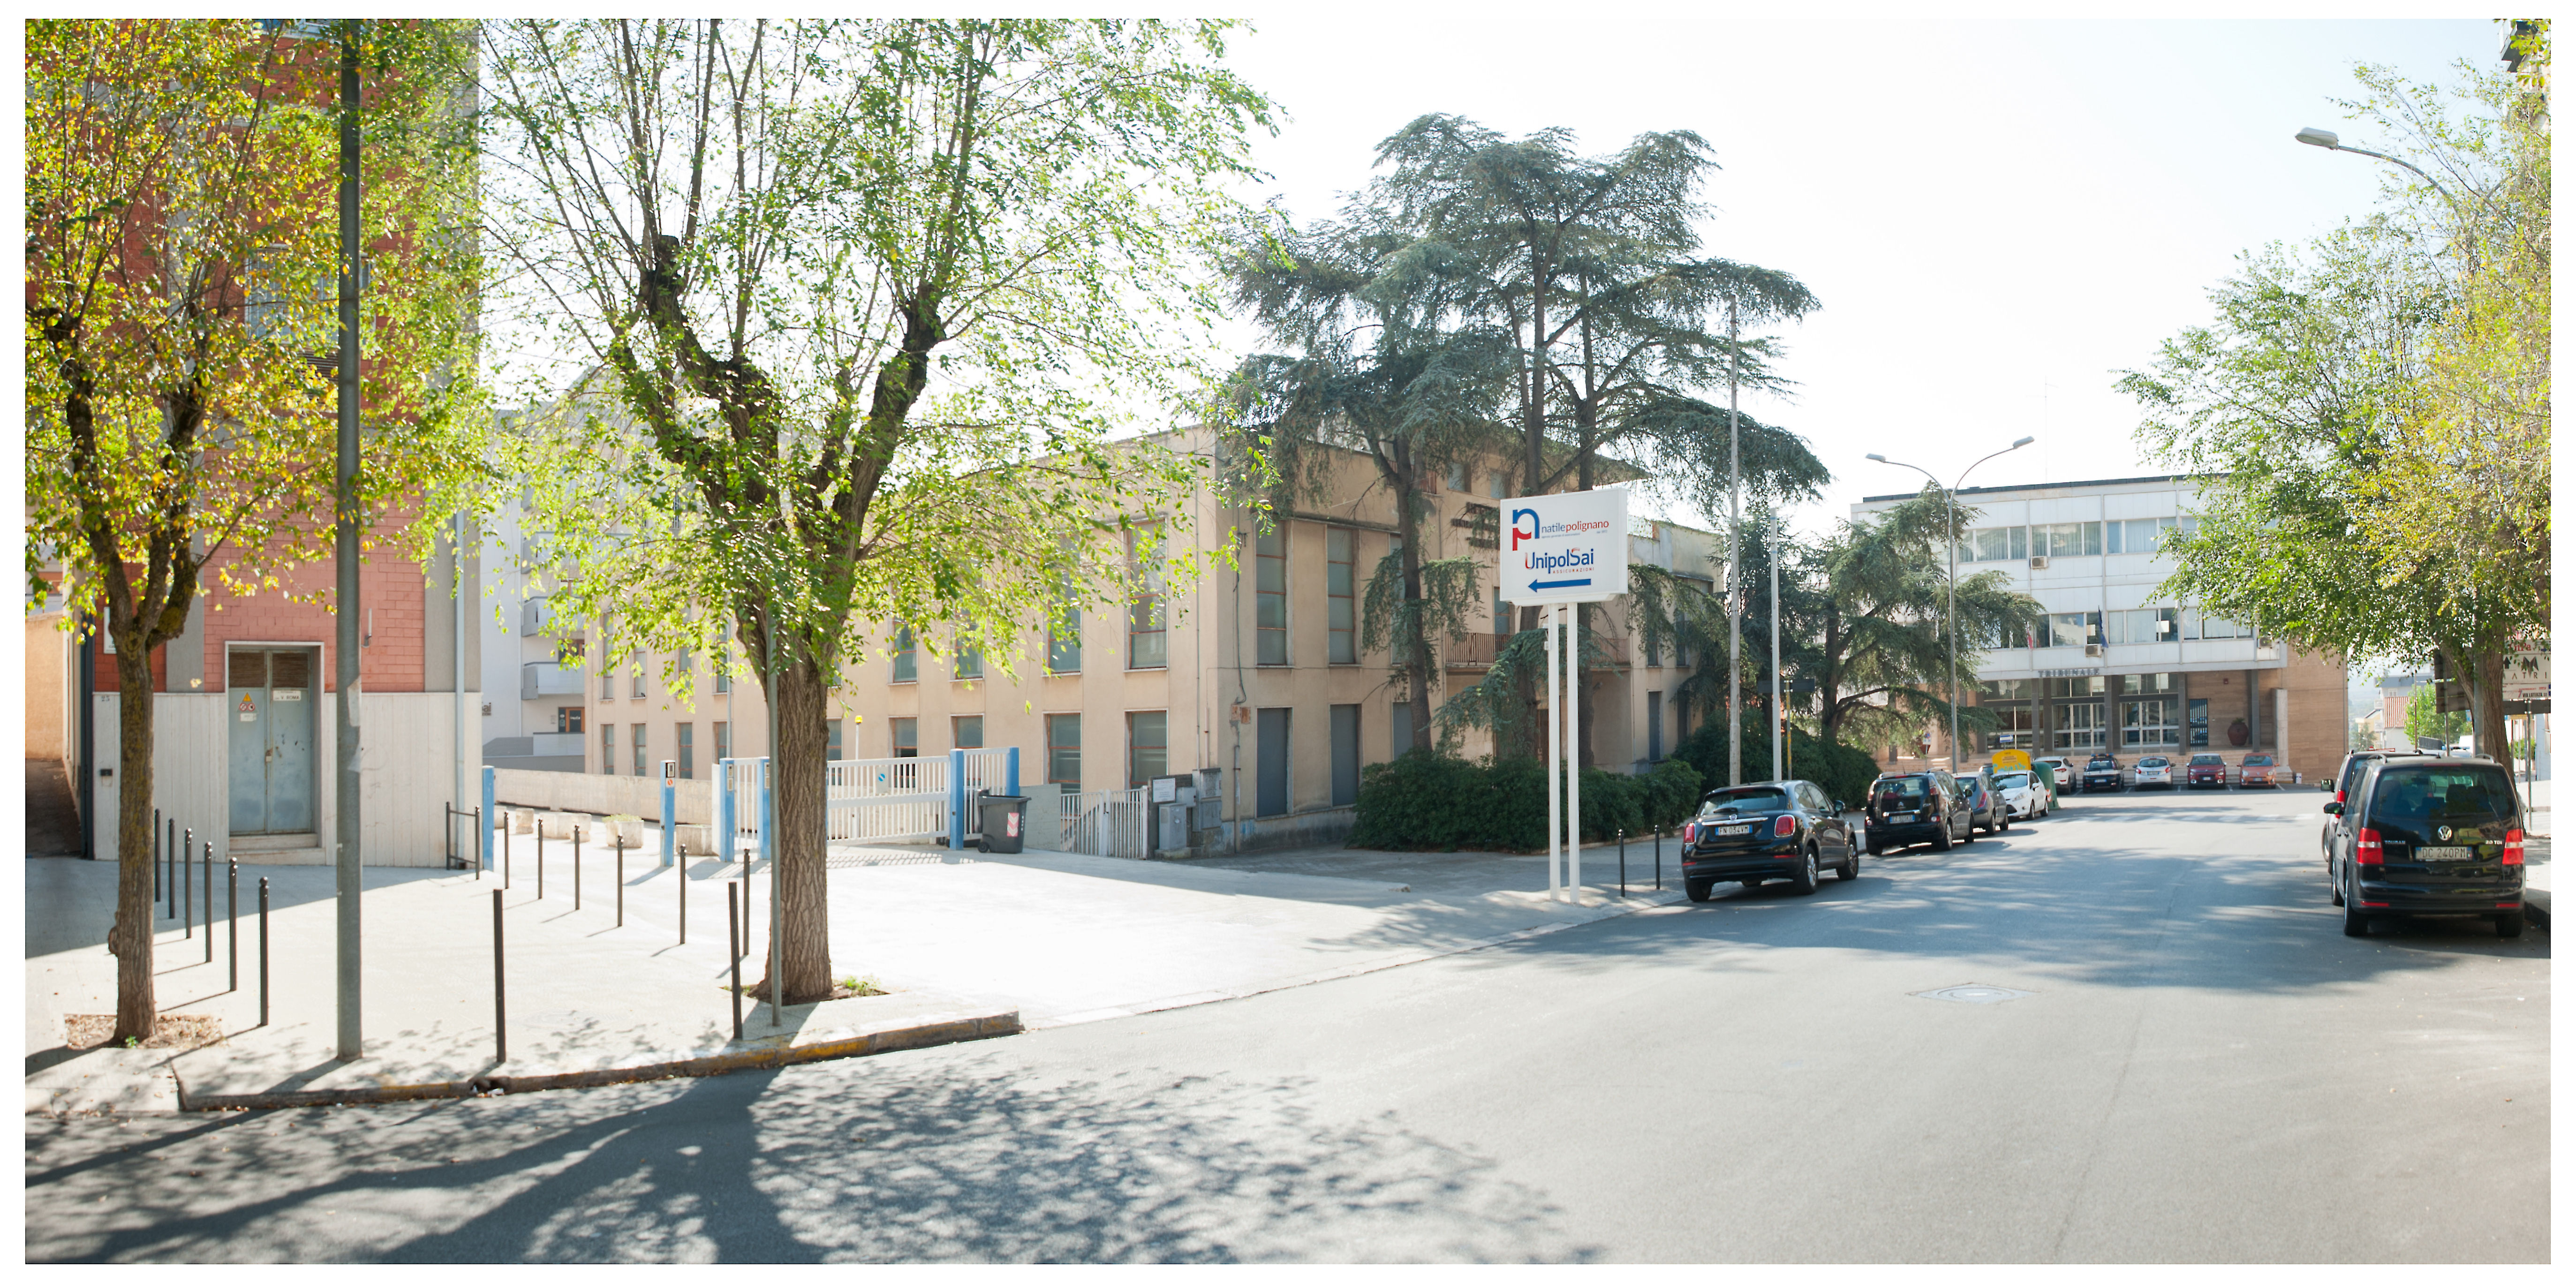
{"points": [[1110, 822]]}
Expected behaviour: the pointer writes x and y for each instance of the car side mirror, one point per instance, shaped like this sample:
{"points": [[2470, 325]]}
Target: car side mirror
{"points": [[2325, 786], [2334, 808]]}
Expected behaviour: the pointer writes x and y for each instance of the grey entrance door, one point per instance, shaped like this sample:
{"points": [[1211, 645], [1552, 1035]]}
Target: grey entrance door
{"points": [[269, 704]]}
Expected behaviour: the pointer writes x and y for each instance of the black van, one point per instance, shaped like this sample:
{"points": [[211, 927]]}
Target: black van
{"points": [[2428, 835]]}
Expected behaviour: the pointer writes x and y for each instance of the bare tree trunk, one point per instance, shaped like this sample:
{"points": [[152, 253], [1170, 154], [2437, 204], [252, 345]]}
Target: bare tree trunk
{"points": [[2486, 696], [130, 937], [797, 701], [1418, 647]]}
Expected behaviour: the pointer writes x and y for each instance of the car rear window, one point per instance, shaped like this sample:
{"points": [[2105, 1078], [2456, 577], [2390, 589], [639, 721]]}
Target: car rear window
{"points": [[1743, 801], [2153, 761], [2209, 759], [2413, 798], [2017, 779], [1904, 790]]}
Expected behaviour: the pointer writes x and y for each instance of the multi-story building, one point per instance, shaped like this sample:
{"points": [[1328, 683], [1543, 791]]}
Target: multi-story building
{"points": [[2118, 665]]}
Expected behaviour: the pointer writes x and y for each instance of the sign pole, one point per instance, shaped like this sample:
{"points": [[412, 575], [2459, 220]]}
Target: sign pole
{"points": [[1574, 750], [1555, 825]]}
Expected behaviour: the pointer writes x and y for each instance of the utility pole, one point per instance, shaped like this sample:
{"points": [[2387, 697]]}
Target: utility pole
{"points": [[1734, 579], [344, 552], [1779, 686]]}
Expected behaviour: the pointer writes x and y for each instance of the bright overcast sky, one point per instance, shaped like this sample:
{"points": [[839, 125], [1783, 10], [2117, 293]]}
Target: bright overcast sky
{"points": [[1986, 210]]}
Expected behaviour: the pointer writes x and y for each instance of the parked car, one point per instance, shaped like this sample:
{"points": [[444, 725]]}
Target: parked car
{"points": [[2206, 771], [1756, 832], [1917, 806], [2061, 771], [1985, 806], [2423, 835], [2102, 771], [2347, 777], [2258, 771], [2027, 795], [2154, 772]]}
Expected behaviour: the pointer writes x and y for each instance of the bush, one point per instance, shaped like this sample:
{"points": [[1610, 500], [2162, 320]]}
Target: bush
{"points": [[1842, 771], [1425, 801]]}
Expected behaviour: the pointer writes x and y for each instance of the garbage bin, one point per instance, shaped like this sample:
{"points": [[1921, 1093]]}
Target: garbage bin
{"points": [[1003, 823]]}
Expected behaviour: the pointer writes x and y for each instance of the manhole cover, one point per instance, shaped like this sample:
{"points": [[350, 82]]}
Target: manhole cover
{"points": [[1981, 994]]}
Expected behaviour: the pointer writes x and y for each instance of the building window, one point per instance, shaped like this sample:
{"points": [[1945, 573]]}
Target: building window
{"points": [[640, 754], [1270, 596], [724, 669], [1146, 753], [1494, 484], [1502, 616], [1146, 640], [2076, 628], [1064, 639], [2144, 534], [832, 740], [608, 682], [607, 749], [2139, 627], [2154, 722], [1346, 754], [1064, 750], [568, 719], [2067, 539], [639, 679], [968, 664], [1995, 543], [906, 661], [968, 731], [724, 741], [1654, 726], [907, 736], [2213, 628], [686, 736], [1270, 759], [1340, 603], [2079, 726], [1457, 478]]}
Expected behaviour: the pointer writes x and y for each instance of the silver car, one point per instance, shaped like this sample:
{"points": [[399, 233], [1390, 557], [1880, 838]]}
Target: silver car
{"points": [[2155, 771]]}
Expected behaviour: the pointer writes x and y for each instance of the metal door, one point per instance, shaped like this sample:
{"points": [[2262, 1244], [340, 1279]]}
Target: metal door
{"points": [[269, 705]]}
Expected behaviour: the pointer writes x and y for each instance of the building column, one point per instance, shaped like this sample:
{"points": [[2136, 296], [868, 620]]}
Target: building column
{"points": [[2253, 708], [2281, 722]]}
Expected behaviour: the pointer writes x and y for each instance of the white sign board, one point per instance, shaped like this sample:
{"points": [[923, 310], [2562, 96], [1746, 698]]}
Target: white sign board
{"points": [[1565, 547], [2526, 675]]}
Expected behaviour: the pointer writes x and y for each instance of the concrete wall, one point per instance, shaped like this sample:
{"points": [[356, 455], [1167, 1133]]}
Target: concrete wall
{"points": [[603, 794]]}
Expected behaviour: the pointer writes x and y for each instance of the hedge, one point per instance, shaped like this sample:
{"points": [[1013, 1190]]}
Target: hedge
{"points": [[1427, 801]]}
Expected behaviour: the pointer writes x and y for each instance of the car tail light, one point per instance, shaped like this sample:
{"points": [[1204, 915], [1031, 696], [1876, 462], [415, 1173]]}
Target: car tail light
{"points": [[2513, 847], [2338, 796], [1788, 824], [2366, 848]]}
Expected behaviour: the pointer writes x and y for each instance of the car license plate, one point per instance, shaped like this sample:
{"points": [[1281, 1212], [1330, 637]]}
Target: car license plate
{"points": [[1733, 830], [2442, 853]]}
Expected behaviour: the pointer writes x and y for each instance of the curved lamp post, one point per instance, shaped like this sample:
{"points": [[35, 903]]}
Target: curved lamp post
{"points": [[2326, 138], [1950, 591]]}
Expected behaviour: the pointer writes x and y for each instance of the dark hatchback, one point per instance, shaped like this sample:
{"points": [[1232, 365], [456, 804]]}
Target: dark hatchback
{"points": [[1922, 806], [2428, 836], [1753, 833], [2101, 771]]}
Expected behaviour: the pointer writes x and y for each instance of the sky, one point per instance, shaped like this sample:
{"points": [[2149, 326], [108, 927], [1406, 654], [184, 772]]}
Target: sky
{"points": [[1996, 216]]}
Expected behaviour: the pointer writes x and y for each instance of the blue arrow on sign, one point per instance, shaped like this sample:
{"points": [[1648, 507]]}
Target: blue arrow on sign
{"points": [[1538, 586]]}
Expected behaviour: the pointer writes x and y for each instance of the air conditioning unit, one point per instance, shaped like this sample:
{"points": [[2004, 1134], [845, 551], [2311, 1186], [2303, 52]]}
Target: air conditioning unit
{"points": [[2039, 563], [2092, 652]]}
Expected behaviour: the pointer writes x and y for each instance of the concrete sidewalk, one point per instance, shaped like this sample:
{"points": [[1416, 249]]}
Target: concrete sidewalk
{"points": [[971, 945]]}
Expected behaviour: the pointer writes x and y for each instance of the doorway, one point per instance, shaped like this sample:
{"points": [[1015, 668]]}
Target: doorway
{"points": [[269, 701]]}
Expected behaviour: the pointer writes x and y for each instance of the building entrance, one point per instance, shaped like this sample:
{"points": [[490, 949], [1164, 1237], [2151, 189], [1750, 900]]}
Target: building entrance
{"points": [[269, 704]]}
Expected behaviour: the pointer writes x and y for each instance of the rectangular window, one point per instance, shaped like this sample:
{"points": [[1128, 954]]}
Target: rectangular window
{"points": [[1146, 640], [907, 736], [1654, 650], [2010, 688], [2213, 628], [640, 755], [1270, 596], [724, 669], [1654, 726], [1064, 750], [1271, 757], [1340, 599], [1494, 483], [724, 741], [2151, 723], [608, 682], [907, 664], [1400, 720], [568, 719], [2144, 534], [686, 734], [969, 663], [967, 732], [2067, 539], [832, 740], [1458, 477], [2139, 627], [2079, 726], [1996, 543], [1346, 754], [1502, 616], [1146, 752], [607, 749], [2075, 628], [1064, 640], [637, 671]]}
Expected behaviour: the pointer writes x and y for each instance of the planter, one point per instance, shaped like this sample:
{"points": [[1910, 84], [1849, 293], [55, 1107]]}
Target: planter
{"points": [[2238, 732]]}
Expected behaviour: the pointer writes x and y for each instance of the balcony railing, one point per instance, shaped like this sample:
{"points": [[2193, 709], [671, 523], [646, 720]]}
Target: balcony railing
{"points": [[538, 680]]}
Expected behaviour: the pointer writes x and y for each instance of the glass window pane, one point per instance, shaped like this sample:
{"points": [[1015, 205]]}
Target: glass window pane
{"points": [[1064, 749], [1145, 749], [970, 732]]}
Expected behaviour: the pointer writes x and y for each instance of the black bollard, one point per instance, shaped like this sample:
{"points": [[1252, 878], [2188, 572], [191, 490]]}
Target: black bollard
{"points": [[156, 855], [576, 867], [684, 892], [621, 877], [209, 862], [1659, 857], [263, 952], [539, 824], [733, 935], [500, 1001], [1623, 864], [482, 839], [188, 911], [232, 922], [505, 850]]}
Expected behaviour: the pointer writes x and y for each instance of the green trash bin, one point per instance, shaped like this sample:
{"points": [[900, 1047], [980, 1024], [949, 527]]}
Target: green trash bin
{"points": [[1003, 823]]}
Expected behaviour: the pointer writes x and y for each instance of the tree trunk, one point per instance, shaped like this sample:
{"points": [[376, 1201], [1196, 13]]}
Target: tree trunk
{"points": [[2486, 699], [797, 704], [130, 936], [1418, 652]]}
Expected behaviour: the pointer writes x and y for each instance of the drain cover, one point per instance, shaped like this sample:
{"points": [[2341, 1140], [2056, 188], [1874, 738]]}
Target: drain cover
{"points": [[1981, 994]]}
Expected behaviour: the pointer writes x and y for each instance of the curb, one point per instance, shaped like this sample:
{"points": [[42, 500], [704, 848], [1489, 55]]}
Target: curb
{"points": [[933, 1034]]}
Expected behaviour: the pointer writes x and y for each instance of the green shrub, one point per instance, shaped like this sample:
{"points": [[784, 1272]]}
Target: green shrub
{"points": [[1425, 801], [1842, 771]]}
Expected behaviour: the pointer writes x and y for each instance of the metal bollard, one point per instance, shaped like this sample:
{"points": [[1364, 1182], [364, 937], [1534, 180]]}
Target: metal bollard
{"points": [[576, 867], [1659, 857], [500, 1000], [189, 907], [156, 855], [539, 824], [684, 893], [232, 921], [505, 850], [733, 935], [209, 862], [263, 952], [482, 838], [1623, 864], [170, 861], [621, 878]]}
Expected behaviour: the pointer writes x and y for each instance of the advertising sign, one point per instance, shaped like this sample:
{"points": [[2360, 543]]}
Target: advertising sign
{"points": [[1565, 547], [2011, 759]]}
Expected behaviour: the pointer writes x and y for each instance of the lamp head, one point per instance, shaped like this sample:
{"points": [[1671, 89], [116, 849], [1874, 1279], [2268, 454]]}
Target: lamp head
{"points": [[2315, 137], [2023, 442], [1880, 458]]}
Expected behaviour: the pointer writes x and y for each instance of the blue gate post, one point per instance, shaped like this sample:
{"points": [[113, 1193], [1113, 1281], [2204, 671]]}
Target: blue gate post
{"points": [[724, 809], [670, 809], [765, 852], [956, 799], [490, 813], [1011, 771]]}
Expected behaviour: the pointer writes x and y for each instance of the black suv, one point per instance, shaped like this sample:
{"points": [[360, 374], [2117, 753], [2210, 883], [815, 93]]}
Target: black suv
{"points": [[2345, 777], [2423, 835], [1755, 832], [1921, 806], [2101, 771]]}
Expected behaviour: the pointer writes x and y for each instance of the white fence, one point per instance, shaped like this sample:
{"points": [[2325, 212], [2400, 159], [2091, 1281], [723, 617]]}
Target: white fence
{"points": [[1105, 822], [879, 799]]}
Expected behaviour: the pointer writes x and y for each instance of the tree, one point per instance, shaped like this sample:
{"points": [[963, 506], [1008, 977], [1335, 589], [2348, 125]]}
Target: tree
{"points": [[861, 291], [1385, 365], [2372, 411], [181, 266], [2425, 719]]}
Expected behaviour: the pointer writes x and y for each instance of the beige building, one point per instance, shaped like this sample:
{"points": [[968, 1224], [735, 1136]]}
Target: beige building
{"points": [[1257, 671]]}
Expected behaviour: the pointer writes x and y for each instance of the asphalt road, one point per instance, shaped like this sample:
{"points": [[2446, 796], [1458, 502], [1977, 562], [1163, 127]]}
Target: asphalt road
{"points": [[2203, 1069]]}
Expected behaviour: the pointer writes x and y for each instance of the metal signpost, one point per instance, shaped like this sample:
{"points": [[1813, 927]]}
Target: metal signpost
{"points": [[1560, 552]]}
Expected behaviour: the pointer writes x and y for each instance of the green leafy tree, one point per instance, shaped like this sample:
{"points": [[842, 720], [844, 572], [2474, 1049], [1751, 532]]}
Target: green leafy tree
{"points": [[2425, 719], [862, 294], [182, 260]]}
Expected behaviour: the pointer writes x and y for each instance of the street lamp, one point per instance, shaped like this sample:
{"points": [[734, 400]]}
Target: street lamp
{"points": [[2326, 138], [1950, 591]]}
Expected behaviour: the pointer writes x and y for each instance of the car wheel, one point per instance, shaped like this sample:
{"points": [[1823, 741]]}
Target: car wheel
{"points": [[1696, 889], [1807, 876], [2354, 924], [1851, 864], [2337, 884], [1875, 849], [2003, 822], [2508, 925], [1970, 835], [1941, 837]]}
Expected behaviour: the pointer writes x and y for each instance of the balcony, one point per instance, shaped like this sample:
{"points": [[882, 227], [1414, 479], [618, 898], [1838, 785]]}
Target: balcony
{"points": [[539, 680], [536, 615]]}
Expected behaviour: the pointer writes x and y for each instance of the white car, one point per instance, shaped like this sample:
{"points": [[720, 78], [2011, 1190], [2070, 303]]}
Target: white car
{"points": [[2026, 798], [2062, 769], [2157, 771]]}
